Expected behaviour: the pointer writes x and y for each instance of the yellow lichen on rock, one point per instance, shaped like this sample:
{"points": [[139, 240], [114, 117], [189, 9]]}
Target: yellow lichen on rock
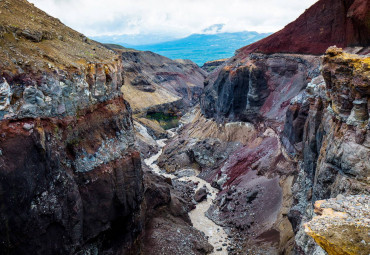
{"points": [[342, 226], [347, 78]]}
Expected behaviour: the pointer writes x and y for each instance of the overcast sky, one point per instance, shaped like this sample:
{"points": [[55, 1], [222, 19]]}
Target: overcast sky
{"points": [[175, 18]]}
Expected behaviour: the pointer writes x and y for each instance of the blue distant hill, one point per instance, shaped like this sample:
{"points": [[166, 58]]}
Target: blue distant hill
{"points": [[199, 48]]}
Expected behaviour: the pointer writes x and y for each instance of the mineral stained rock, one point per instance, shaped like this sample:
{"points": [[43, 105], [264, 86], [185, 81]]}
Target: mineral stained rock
{"points": [[342, 225], [249, 89]]}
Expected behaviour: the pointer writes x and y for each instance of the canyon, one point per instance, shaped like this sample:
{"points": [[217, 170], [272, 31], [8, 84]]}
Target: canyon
{"points": [[109, 150]]}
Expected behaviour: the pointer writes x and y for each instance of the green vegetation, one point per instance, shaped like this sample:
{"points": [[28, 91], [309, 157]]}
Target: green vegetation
{"points": [[166, 121]]}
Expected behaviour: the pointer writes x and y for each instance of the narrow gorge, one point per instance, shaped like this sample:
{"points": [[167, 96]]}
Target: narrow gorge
{"points": [[110, 150]]}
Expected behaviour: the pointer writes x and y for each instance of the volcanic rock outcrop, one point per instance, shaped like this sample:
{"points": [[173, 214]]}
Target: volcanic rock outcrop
{"points": [[334, 144]]}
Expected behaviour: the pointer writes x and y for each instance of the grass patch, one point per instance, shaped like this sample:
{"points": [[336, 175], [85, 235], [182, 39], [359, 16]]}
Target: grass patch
{"points": [[166, 121]]}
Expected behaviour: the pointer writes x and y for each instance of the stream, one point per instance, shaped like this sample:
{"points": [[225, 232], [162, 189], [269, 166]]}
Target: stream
{"points": [[217, 236]]}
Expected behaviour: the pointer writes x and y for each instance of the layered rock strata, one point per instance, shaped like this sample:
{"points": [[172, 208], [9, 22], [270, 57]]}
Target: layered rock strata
{"points": [[249, 89], [69, 171]]}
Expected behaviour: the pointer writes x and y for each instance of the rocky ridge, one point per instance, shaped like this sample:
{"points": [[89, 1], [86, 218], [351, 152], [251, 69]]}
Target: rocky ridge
{"points": [[327, 23]]}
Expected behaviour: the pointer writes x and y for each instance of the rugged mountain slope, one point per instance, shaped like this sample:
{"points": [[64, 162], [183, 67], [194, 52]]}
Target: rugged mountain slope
{"points": [[71, 177], [153, 82], [342, 23], [301, 147]]}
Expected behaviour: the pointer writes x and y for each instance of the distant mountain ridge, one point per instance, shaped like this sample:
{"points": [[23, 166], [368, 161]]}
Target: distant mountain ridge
{"points": [[199, 48]]}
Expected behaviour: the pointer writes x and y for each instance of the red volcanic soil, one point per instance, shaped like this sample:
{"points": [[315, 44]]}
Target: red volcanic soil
{"points": [[328, 22]]}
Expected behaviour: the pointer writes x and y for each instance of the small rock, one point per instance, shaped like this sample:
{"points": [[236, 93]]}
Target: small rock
{"points": [[27, 126], [219, 249], [200, 195]]}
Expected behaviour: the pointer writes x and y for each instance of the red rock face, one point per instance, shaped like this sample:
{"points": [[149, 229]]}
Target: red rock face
{"points": [[251, 199], [328, 22]]}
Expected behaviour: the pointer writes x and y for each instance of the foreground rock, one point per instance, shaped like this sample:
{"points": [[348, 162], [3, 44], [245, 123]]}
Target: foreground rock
{"points": [[70, 176], [168, 229], [335, 137], [342, 226]]}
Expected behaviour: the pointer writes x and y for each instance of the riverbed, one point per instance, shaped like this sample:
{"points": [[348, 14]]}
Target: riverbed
{"points": [[216, 234]]}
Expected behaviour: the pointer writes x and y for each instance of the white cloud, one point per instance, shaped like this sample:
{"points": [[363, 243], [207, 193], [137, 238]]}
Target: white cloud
{"points": [[172, 17]]}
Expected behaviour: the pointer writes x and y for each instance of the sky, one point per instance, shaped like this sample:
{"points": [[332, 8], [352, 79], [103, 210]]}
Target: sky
{"points": [[173, 18]]}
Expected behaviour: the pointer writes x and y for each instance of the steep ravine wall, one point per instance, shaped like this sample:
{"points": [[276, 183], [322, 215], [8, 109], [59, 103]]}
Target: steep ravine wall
{"points": [[335, 138], [70, 175], [69, 169]]}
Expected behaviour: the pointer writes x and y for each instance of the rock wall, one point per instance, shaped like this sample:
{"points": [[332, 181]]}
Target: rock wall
{"points": [[70, 175], [66, 180], [335, 147], [249, 89]]}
